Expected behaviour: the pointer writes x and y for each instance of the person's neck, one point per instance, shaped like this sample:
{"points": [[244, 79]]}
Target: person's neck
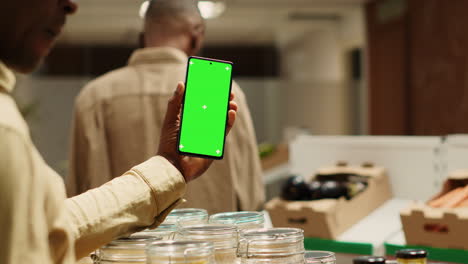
{"points": [[172, 43]]}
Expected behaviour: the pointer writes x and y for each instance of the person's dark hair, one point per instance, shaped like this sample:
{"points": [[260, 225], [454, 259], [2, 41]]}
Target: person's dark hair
{"points": [[170, 21], [161, 10]]}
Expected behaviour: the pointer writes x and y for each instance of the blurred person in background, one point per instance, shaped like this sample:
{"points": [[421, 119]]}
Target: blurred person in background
{"points": [[105, 141], [38, 224]]}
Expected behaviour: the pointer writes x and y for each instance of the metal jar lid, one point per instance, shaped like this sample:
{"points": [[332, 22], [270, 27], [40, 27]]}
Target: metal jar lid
{"points": [[369, 260], [411, 253]]}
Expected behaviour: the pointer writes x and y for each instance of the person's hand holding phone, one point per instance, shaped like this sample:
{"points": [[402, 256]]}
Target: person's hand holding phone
{"points": [[190, 167]]}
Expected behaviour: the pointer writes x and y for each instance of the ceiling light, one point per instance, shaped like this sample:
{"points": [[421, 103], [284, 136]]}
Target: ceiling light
{"points": [[143, 8], [211, 9]]}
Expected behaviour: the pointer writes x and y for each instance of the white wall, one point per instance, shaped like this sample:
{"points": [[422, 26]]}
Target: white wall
{"points": [[316, 90], [352, 29], [313, 90]]}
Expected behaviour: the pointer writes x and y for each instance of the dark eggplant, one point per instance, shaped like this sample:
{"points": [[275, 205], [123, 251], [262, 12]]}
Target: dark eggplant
{"points": [[333, 190], [296, 189]]}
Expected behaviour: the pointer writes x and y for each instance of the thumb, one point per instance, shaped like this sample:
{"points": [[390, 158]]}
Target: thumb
{"points": [[175, 103]]}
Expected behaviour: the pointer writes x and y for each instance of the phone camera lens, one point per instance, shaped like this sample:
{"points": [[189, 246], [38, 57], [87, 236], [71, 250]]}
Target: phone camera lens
{"points": [[211, 63]]}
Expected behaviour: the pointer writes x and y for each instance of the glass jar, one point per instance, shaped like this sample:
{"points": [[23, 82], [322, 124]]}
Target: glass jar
{"points": [[243, 220], [320, 257], [369, 260], [271, 245], [164, 231], [187, 216], [180, 252], [223, 237], [411, 256], [130, 250]]}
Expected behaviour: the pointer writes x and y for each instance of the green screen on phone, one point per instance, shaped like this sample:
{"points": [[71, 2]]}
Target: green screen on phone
{"points": [[206, 102]]}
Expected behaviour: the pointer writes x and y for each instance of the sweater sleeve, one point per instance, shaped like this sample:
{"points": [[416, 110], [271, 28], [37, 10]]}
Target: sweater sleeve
{"points": [[140, 198]]}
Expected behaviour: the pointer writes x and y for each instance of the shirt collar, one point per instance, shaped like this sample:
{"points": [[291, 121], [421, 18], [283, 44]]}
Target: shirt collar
{"points": [[7, 78], [157, 55]]}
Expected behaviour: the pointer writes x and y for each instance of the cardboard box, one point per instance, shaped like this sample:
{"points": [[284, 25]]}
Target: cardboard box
{"points": [[328, 218], [438, 227]]}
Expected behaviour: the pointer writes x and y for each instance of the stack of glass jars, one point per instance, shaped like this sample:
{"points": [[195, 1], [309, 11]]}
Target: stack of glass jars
{"points": [[273, 245], [124, 251], [180, 252], [230, 238], [223, 237], [243, 220]]}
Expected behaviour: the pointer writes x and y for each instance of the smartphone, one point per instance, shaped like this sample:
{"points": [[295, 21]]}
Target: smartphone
{"points": [[205, 108]]}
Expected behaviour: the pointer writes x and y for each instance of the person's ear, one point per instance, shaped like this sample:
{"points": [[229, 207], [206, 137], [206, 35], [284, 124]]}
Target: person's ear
{"points": [[141, 40], [197, 39], [193, 43]]}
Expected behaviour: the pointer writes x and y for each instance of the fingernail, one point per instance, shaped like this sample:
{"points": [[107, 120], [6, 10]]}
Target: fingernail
{"points": [[178, 90]]}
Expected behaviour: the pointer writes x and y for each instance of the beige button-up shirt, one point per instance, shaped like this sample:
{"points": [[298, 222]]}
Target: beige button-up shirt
{"points": [[117, 123], [39, 225]]}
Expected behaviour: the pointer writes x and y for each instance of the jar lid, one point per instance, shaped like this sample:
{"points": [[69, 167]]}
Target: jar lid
{"points": [[271, 242], [222, 236], [180, 249], [163, 231], [164, 227], [411, 253], [369, 259], [273, 233], [137, 241], [238, 218], [324, 257], [126, 248], [188, 213]]}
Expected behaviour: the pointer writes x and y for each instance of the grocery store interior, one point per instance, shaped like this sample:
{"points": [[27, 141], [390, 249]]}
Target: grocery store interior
{"points": [[368, 98]]}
